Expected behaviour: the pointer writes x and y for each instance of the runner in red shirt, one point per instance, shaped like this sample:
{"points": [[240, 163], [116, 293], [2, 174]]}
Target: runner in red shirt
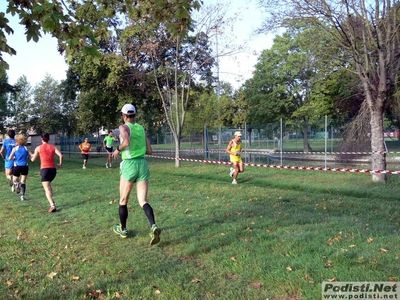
{"points": [[48, 170]]}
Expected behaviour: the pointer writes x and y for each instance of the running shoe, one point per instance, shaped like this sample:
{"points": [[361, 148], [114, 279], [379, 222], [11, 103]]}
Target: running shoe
{"points": [[234, 181], [23, 198], [118, 230], [18, 188], [107, 166], [52, 209], [84, 167], [155, 235], [13, 188], [232, 171]]}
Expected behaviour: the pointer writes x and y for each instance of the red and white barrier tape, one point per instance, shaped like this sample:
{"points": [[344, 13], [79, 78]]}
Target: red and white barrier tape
{"points": [[268, 152], [389, 172], [277, 152]]}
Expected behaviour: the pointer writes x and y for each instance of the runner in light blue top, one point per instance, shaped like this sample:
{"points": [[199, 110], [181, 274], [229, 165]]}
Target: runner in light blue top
{"points": [[5, 151], [20, 155]]}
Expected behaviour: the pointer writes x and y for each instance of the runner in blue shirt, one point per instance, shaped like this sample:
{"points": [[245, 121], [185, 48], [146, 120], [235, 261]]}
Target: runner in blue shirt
{"points": [[20, 155], [5, 152]]}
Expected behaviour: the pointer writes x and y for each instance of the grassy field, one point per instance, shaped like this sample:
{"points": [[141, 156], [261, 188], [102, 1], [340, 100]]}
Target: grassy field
{"points": [[278, 234]]}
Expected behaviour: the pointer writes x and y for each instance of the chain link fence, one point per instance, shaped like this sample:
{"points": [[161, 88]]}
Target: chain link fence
{"points": [[318, 143]]}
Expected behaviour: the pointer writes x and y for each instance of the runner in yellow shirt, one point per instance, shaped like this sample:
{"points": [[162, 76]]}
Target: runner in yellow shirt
{"points": [[234, 148]]}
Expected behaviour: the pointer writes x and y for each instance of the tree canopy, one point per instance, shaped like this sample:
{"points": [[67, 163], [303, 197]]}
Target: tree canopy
{"points": [[368, 33]]}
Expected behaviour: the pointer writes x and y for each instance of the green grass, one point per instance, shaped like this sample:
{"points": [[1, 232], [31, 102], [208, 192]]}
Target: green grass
{"points": [[278, 234]]}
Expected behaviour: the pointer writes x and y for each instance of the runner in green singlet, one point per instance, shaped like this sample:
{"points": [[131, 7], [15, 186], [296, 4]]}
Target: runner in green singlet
{"points": [[108, 143], [134, 145]]}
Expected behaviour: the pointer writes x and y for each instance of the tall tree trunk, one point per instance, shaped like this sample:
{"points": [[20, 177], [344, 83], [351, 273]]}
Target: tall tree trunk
{"points": [[378, 157], [376, 110], [177, 152]]}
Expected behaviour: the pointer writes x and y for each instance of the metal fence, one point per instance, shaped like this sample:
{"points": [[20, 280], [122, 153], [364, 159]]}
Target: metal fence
{"points": [[321, 144]]}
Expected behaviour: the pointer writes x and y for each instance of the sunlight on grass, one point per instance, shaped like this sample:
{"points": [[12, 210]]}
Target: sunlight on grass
{"points": [[277, 234]]}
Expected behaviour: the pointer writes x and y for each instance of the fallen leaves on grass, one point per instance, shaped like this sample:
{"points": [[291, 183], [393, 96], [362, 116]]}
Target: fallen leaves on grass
{"points": [[384, 250], [231, 277], [310, 280], [74, 277], [370, 240], [339, 237], [328, 264], [118, 295], [94, 294], [196, 280], [51, 275], [289, 268], [256, 285]]}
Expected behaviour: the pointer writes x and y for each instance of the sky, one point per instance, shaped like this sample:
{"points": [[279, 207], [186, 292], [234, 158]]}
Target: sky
{"points": [[35, 60]]}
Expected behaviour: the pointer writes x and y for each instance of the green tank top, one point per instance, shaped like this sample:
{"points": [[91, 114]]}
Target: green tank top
{"points": [[109, 140], [137, 145]]}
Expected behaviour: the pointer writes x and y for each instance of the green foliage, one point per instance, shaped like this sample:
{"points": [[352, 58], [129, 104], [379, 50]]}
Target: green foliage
{"points": [[79, 26], [6, 91], [4, 47], [20, 105], [103, 89], [47, 113], [233, 106], [69, 89], [203, 113], [168, 67]]}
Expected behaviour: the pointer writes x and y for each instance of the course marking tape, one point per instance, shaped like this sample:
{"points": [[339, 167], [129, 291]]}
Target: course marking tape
{"points": [[268, 152], [389, 172]]}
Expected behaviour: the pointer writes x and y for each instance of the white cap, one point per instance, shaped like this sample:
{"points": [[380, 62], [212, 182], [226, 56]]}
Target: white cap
{"points": [[128, 109], [238, 133]]}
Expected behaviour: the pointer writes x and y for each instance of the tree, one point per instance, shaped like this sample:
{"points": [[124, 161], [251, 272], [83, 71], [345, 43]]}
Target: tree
{"points": [[102, 88], [21, 105], [69, 92], [6, 90], [48, 111], [368, 31], [79, 26], [175, 63], [203, 112], [281, 85], [233, 107]]}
